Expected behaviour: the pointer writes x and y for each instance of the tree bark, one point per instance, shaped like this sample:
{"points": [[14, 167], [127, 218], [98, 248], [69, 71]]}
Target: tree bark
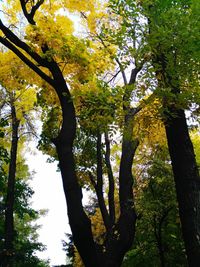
{"points": [[120, 238], [78, 220], [10, 196], [187, 181]]}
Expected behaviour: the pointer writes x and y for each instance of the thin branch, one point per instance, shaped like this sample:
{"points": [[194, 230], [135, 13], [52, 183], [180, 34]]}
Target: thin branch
{"points": [[134, 73], [36, 7], [128, 90], [114, 77], [29, 133]]}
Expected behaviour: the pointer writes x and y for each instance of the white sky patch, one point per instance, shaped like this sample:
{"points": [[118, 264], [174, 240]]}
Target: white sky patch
{"points": [[49, 195]]}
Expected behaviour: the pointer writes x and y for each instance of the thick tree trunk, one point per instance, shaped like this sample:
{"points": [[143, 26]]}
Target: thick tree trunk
{"points": [[79, 222], [120, 237], [10, 197], [183, 160], [125, 228], [187, 181]]}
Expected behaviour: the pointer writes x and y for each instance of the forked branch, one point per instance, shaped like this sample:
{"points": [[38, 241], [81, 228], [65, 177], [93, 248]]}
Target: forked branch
{"points": [[30, 15]]}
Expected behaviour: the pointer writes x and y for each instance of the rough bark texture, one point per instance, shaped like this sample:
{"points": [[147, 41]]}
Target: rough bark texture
{"points": [[10, 196], [187, 182], [78, 220]]}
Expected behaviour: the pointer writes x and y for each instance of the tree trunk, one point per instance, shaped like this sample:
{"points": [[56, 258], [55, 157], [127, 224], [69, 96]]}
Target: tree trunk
{"points": [[120, 237], [79, 222], [187, 181], [125, 227], [186, 175], [10, 197]]}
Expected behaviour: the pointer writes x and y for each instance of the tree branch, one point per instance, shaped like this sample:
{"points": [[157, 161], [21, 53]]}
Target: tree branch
{"points": [[134, 73], [28, 62], [122, 71], [16, 41], [111, 201], [114, 76], [30, 16], [99, 185]]}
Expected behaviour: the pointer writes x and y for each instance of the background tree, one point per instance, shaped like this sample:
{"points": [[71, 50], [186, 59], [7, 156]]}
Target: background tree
{"points": [[16, 106], [172, 45], [156, 204]]}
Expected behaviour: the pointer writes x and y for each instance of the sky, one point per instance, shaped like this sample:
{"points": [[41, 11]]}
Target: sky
{"points": [[47, 185]]}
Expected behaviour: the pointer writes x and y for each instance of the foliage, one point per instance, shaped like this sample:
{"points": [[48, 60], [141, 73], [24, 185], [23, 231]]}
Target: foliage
{"points": [[25, 227], [18, 94], [158, 237]]}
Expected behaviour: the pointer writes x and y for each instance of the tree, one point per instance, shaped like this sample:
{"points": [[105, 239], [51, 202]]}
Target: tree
{"points": [[22, 218], [40, 53], [16, 107], [157, 210], [171, 46]]}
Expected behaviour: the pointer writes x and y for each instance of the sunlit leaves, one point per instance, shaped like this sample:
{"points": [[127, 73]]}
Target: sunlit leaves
{"points": [[49, 30], [97, 105], [17, 88]]}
